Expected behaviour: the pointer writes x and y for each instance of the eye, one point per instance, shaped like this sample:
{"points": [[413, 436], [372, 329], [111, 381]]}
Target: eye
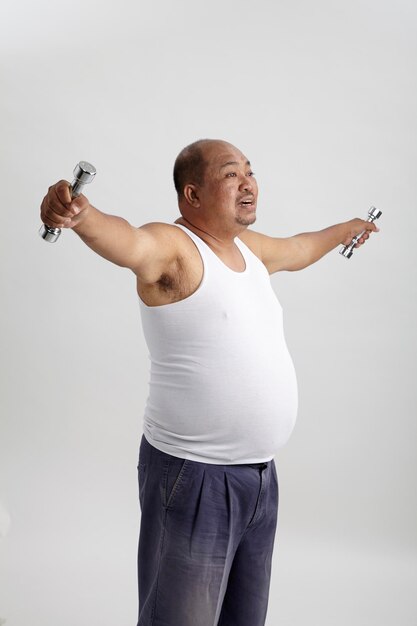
{"points": [[230, 174], [251, 173]]}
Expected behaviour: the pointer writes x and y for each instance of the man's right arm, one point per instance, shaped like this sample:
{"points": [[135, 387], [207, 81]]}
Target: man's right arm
{"points": [[112, 237]]}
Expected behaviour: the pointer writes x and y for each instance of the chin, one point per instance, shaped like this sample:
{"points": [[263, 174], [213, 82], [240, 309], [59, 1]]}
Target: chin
{"points": [[247, 220]]}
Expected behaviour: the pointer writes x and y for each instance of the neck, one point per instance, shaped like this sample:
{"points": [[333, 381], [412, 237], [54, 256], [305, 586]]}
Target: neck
{"points": [[220, 240], [201, 229]]}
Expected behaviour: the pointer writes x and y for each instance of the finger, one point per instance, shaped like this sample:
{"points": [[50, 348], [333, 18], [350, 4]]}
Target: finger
{"points": [[60, 193], [56, 221], [53, 211], [62, 190], [48, 221], [60, 207], [51, 218], [54, 205], [79, 204]]}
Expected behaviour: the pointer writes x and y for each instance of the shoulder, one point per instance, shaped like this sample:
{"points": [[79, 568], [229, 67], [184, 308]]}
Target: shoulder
{"points": [[160, 229], [276, 253], [168, 237], [253, 240]]}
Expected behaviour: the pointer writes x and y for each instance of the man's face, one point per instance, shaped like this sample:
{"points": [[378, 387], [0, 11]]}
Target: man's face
{"points": [[230, 191]]}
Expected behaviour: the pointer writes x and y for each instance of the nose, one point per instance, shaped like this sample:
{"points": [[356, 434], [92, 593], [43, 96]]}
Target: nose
{"points": [[246, 183]]}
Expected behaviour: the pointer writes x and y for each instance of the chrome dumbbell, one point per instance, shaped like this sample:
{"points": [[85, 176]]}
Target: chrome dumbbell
{"points": [[347, 251], [83, 174]]}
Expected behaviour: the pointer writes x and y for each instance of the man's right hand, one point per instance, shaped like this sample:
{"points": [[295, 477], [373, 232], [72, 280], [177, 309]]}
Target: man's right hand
{"points": [[59, 210]]}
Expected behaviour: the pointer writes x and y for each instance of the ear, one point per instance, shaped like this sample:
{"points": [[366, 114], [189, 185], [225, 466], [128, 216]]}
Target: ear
{"points": [[191, 195]]}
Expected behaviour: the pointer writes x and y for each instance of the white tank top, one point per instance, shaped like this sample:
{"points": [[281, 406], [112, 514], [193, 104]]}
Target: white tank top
{"points": [[222, 387]]}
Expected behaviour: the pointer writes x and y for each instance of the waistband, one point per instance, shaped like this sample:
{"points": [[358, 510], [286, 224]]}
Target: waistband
{"points": [[257, 465]]}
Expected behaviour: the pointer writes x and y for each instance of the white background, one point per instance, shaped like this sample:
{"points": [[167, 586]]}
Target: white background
{"points": [[321, 96]]}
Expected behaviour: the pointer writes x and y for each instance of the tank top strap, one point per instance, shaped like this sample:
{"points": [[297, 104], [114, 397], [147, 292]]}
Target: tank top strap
{"points": [[201, 245], [210, 257]]}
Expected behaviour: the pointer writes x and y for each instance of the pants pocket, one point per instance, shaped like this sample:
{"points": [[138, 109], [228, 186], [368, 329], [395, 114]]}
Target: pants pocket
{"points": [[141, 481], [174, 476]]}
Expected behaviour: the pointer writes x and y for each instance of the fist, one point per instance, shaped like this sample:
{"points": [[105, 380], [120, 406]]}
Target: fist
{"points": [[356, 227], [58, 210]]}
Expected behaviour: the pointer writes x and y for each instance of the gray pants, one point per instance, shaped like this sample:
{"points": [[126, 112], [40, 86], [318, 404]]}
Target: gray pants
{"points": [[206, 540]]}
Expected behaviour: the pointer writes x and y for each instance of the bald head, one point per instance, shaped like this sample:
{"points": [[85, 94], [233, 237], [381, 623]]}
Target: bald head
{"points": [[191, 163]]}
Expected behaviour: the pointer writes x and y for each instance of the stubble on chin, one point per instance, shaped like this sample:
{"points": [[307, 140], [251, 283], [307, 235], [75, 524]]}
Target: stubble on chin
{"points": [[245, 221]]}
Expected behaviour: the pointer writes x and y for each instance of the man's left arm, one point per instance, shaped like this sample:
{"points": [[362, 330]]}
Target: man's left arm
{"points": [[300, 251]]}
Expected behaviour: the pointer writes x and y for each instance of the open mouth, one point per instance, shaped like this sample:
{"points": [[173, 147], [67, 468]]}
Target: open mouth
{"points": [[247, 203]]}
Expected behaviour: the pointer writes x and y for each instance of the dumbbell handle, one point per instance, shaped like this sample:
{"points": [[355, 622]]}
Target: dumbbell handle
{"points": [[347, 251], [83, 174]]}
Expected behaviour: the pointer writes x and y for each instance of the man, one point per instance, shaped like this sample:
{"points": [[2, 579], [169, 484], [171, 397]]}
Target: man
{"points": [[223, 391]]}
